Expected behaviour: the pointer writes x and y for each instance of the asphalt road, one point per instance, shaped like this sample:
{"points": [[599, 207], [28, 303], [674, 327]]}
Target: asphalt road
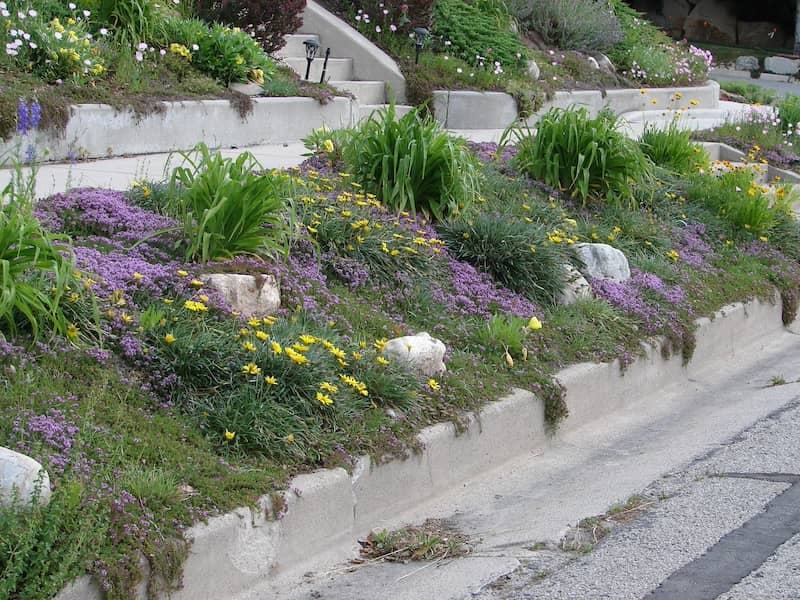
{"points": [[727, 527], [782, 85]]}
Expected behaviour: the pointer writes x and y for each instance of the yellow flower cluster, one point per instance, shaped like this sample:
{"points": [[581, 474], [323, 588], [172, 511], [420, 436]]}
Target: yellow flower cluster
{"points": [[181, 51]]}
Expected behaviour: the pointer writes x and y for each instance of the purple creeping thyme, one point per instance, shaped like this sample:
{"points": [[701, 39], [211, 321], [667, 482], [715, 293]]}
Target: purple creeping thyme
{"points": [[51, 437]]}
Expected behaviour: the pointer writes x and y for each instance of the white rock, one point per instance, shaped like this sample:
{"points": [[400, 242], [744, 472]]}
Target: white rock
{"points": [[577, 287], [781, 65], [602, 261], [421, 352], [258, 295], [593, 62], [23, 474]]}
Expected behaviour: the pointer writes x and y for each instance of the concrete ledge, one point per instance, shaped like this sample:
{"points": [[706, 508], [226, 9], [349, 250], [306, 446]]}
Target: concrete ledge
{"points": [[720, 151], [323, 514], [456, 109], [370, 63], [99, 130]]}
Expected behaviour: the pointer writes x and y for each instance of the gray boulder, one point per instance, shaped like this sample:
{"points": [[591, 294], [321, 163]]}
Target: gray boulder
{"points": [[257, 295], [747, 63], [20, 475], [577, 287], [602, 261], [781, 65]]}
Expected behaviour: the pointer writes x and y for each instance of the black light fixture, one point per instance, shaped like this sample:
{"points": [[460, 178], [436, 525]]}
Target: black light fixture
{"points": [[311, 52], [420, 33]]}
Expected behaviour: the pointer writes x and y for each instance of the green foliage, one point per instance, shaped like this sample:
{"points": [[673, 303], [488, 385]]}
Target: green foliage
{"points": [[55, 51], [327, 142], [751, 92], [516, 254], [588, 157], [411, 164], [35, 273], [585, 25], [475, 29], [228, 55], [638, 34], [226, 207], [738, 199], [42, 548], [503, 333], [673, 149], [134, 21], [789, 112]]}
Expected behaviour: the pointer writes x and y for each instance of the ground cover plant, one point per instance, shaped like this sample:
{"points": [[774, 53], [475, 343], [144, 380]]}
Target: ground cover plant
{"points": [[153, 404]]}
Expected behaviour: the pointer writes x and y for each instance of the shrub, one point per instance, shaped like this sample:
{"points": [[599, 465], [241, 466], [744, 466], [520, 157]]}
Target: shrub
{"points": [[516, 254], [673, 149], [134, 21], [411, 164], [739, 200], [405, 15], [473, 30], [226, 207], [585, 25], [637, 33], [587, 157], [228, 55], [51, 49], [267, 21]]}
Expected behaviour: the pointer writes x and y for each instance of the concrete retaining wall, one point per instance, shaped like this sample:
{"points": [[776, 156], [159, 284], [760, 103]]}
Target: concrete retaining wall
{"points": [[496, 110], [327, 511], [99, 130]]}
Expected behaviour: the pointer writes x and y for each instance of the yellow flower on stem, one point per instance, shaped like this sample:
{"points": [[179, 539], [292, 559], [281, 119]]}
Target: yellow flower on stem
{"points": [[434, 385], [328, 387], [270, 380], [276, 347], [251, 369], [673, 255], [196, 283], [380, 344], [382, 361], [534, 324], [296, 357], [262, 335], [249, 346], [229, 435], [324, 399], [138, 276], [73, 332], [254, 323], [169, 339]]}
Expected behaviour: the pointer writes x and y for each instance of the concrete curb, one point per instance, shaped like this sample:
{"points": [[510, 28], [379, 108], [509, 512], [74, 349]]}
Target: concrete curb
{"points": [[456, 109], [324, 513], [720, 151]]}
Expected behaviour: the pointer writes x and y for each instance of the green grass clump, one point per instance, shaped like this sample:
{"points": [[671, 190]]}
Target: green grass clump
{"points": [[751, 92], [672, 148], [516, 254], [412, 165], [587, 157]]}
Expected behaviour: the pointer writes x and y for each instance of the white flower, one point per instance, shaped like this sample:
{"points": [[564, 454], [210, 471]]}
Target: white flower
{"points": [[103, 31], [57, 35], [377, 28], [26, 36], [87, 62], [5, 13], [87, 14], [162, 52], [142, 46], [459, 70], [21, 15], [139, 56], [72, 6], [3, 5], [33, 45], [195, 47], [33, 13]]}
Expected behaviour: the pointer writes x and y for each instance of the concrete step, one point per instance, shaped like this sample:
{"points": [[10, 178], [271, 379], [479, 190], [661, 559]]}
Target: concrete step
{"points": [[338, 69], [760, 172], [365, 110], [294, 47], [367, 92]]}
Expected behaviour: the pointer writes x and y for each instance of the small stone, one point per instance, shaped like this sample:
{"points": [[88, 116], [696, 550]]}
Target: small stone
{"points": [[533, 69], [257, 295], [602, 261], [421, 352], [21, 475], [577, 287], [747, 63]]}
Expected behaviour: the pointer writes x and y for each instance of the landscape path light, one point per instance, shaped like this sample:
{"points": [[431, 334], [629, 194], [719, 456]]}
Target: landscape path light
{"points": [[420, 33], [311, 52]]}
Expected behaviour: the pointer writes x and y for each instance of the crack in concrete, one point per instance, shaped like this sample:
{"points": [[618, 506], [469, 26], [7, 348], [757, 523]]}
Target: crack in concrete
{"points": [[739, 552]]}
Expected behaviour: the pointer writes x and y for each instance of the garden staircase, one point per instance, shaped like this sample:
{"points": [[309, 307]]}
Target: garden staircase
{"points": [[371, 95]]}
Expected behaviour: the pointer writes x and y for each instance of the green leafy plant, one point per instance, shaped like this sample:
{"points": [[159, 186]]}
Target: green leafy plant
{"points": [[503, 333], [36, 272], [227, 208], [228, 55], [585, 25], [516, 254], [789, 111], [673, 148], [751, 92], [411, 164], [479, 29], [134, 21], [588, 157], [738, 199]]}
